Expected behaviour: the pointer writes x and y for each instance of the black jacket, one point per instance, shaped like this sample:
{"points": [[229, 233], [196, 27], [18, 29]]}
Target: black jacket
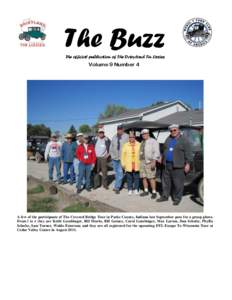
{"points": [[182, 152]]}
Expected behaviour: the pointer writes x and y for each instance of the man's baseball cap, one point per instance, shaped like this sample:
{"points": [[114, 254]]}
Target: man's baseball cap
{"points": [[101, 130], [144, 131], [120, 126], [53, 135], [173, 126]]}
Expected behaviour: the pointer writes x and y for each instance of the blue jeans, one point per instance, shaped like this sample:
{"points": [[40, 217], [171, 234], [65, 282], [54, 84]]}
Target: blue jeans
{"points": [[54, 161], [76, 163], [118, 174], [84, 173], [67, 166], [132, 180]]}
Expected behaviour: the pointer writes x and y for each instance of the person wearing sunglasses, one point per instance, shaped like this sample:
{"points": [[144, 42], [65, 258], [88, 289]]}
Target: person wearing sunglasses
{"points": [[177, 156]]}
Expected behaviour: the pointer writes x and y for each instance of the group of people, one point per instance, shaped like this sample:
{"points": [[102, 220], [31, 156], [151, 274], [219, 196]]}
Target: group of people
{"points": [[88, 157]]}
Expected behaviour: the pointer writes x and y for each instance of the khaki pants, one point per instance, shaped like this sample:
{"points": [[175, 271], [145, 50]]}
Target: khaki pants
{"points": [[146, 171], [101, 166]]}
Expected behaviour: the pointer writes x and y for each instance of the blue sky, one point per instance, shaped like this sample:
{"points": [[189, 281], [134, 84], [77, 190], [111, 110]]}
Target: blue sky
{"points": [[61, 103]]}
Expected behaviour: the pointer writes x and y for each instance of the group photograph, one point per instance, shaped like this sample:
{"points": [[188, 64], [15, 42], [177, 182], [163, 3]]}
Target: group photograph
{"points": [[115, 146]]}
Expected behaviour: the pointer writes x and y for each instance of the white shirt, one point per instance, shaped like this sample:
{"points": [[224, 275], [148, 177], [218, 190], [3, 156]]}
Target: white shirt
{"points": [[53, 149], [100, 148]]}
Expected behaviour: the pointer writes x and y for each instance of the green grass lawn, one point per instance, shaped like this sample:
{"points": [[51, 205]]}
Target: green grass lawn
{"points": [[79, 207], [36, 190], [46, 204], [37, 202]]}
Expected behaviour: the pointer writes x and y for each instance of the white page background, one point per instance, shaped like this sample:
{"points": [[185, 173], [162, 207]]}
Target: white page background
{"points": [[116, 263]]}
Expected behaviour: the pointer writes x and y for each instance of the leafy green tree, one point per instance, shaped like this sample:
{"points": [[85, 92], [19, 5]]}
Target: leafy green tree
{"points": [[38, 129], [94, 128], [85, 128], [113, 110], [72, 130], [157, 103]]}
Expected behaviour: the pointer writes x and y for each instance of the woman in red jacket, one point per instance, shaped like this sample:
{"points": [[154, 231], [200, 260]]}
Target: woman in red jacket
{"points": [[85, 153]]}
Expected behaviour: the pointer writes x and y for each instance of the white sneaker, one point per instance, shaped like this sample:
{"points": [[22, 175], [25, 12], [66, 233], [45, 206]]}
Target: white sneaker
{"points": [[129, 193], [136, 192]]}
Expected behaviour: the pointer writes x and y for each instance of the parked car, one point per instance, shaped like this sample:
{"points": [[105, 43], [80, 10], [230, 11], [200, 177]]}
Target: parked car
{"points": [[192, 133], [33, 32], [36, 146]]}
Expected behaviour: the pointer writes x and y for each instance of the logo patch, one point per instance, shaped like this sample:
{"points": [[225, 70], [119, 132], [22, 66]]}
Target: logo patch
{"points": [[32, 33], [197, 32]]}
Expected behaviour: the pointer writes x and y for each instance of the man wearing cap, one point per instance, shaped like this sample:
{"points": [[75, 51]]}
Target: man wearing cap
{"points": [[149, 154], [67, 156], [116, 145], [76, 162], [102, 147], [52, 155], [177, 157]]}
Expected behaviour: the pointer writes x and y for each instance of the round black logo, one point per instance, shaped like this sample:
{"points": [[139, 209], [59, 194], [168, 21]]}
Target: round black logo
{"points": [[197, 32]]}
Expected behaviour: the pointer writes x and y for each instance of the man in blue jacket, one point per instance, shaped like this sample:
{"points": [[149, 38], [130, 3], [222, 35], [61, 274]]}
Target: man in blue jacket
{"points": [[67, 157]]}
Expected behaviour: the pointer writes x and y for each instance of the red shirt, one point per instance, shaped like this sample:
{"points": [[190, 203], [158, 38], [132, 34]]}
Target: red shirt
{"points": [[86, 156]]}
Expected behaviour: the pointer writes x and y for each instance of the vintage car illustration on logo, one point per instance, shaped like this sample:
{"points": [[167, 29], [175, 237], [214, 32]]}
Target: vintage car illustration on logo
{"points": [[197, 32], [32, 32]]}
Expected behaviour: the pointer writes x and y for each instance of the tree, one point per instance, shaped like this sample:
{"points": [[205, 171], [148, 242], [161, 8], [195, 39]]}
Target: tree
{"points": [[113, 110], [58, 134], [85, 128], [94, 128], [72, 130], [157, 103], [38, 129]]}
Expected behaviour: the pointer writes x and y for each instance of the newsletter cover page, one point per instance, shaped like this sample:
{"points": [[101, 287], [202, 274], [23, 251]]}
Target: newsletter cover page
{"points": [[115, 150]]}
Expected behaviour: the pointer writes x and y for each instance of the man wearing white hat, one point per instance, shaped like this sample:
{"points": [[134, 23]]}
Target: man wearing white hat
{"points": [[102, 147], [118, 140], [149, 154], [177, 156]]}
